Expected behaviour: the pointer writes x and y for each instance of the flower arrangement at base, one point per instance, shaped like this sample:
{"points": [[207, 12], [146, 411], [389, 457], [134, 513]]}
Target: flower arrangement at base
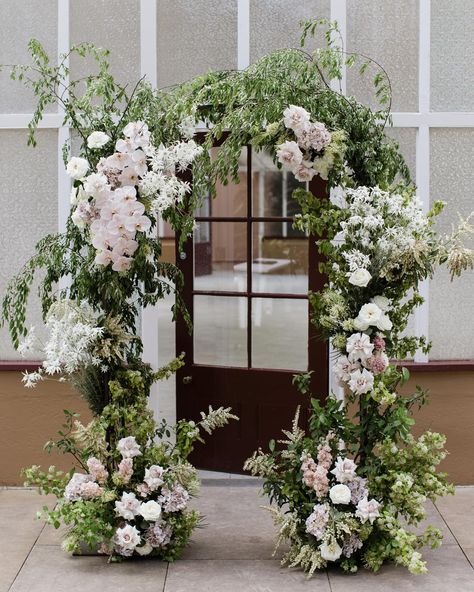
{"points": [[130, 493], [349, 488]]}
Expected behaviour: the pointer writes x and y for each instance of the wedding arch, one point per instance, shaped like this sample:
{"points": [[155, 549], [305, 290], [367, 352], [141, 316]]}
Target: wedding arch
{"points": [[344, 485]]}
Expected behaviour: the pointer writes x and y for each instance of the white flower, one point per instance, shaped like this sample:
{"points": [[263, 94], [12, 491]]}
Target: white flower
{"points": [[187, 127], [359, 347], [154, 477], [295, 118], [95, 184], [289, 154], [368, 510], [360, 325], [145, 549], [382, 302], [344, 470], [126, 540], [128, 506], [344, 367], [77, 167], [72, 492], [340, 494], [304, 172], [384, 323], [361, 382], [150, 510], [337, 197], [317, 521], [370, 314], [331, 551], [128, 447], [360, 277], [97, 140]]}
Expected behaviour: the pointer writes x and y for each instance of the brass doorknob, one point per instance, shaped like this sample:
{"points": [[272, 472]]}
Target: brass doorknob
{"points": [[187, 379]]}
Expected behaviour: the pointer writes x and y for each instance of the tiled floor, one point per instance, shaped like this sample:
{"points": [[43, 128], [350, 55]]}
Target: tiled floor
{"points": [[231, 553]]}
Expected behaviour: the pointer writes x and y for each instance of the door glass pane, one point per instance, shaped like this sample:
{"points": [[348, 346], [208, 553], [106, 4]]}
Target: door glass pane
{"points": [[220, 331], [220, 254], [279, 260], [280, 333], [272, 188], [231, 199]]}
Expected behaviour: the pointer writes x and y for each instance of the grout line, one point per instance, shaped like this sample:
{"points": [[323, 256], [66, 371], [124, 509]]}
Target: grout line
{"points": [[454, 536], [26, 558], [166, 577], [329, 580]]}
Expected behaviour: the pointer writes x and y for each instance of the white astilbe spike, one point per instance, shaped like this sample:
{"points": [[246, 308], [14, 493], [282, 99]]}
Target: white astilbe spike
{"points": [[216, 418], [260, 464]]}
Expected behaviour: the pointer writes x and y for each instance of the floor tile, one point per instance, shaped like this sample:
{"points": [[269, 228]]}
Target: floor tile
{"points": [[448, 571], [458, 512], [434, 518], [20, 530], [240, 576], [48, 569], [235, 525]]}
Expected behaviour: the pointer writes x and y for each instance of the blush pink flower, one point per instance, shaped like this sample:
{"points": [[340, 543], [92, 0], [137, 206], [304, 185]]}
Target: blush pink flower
{"points": [[125, 469], [97, 469]]}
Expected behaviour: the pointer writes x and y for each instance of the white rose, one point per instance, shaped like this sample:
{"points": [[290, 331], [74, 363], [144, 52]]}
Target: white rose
{"points": [[370, 314], [344, 470], [304, 171], [128, 506], [127, 539], [295, 118], [360, 277], [382, 302], [128, 447], [340, 494], [145, 549], [289, 154], [361, 382], [384, 323], [154, 477], [331, 551], [359, 347], [368, 510], [97, 140], [151, 511], [77, 167]]}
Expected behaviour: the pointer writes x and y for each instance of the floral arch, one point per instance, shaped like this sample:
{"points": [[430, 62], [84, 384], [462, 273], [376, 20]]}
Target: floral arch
{"points": [[350, 477]]}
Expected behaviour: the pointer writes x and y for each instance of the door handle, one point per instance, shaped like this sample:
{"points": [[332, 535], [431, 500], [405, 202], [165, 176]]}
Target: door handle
{"points": [[187, 379]]}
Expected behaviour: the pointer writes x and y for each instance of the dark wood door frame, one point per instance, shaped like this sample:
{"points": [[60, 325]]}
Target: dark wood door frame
{"points": [[264, 382]]}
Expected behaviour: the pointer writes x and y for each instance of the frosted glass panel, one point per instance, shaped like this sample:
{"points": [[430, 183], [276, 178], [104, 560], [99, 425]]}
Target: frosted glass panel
{"points": [[406, 138], [388, 33], [280, 333], [452, 304], [29, 209], [20, 22], [452, 67], [274, 23], [195, 37], [114, 25], [220, 331]]}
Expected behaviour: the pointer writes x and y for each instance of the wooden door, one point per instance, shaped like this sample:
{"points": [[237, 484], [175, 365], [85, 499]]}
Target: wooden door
{"points": [[249, 306]]}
